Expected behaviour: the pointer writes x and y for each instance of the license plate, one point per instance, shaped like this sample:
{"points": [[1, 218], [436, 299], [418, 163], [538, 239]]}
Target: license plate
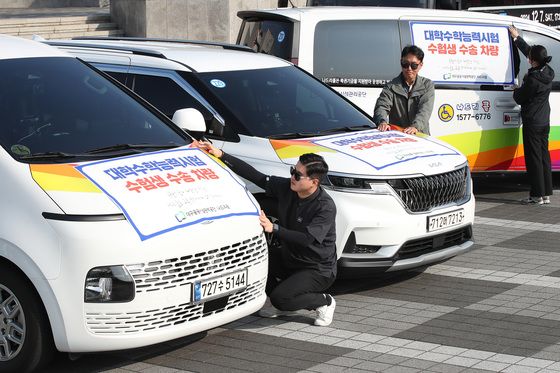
{"points": [[449, 219], [218, 286]]}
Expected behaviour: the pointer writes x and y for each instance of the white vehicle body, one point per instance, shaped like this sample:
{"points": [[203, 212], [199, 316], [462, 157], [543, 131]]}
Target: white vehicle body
{"points": [[61, 218], [382, 218], [356, 50]]}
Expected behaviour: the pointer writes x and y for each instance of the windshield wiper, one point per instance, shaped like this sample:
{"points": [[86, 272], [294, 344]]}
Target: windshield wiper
{"points": [[344, 129], [118, 147], [294, 135], [49, 155], [288, 135]]}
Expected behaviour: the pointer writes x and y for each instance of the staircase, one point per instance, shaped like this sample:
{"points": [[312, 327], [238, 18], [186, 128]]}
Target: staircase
{"points": [[58, 23]]}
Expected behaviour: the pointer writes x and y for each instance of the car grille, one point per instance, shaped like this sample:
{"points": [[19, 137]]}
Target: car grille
{"points": [[173, 272], [415, 248], [426, 192], [115, 323]]}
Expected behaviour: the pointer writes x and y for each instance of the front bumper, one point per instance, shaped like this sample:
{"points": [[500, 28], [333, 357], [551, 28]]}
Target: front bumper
{"points": [[164, 270], [421, 252], [394, 239]]}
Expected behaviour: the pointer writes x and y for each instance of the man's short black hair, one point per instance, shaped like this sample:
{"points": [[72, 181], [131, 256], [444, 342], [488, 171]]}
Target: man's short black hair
{"points": [[315, 165], [413, 49]]}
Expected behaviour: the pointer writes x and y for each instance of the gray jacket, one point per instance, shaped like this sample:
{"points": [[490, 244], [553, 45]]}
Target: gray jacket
{"points": [[396, 106]]}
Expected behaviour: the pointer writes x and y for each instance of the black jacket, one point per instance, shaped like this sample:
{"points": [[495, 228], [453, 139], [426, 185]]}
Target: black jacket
{"points": [[306, 226], [534, 92]]}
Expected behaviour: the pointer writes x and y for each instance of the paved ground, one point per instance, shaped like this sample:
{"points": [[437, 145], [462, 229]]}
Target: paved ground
{"points": [[496, 308]]}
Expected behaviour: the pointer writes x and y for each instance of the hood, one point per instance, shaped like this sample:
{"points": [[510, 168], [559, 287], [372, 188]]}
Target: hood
{"points": [[544, 74], [157, 192], [375, 154]]}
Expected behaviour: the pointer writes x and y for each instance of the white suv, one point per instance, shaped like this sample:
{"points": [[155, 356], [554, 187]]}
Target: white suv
{"points": [[403, 201]]}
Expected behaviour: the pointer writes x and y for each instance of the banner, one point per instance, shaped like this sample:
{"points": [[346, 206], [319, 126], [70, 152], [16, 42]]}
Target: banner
{"points": [[166, 190], [457, 53], [384, 149]]}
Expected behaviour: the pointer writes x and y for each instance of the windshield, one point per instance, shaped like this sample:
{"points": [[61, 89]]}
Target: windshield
{"points": [[268, 102], [53, 106]]}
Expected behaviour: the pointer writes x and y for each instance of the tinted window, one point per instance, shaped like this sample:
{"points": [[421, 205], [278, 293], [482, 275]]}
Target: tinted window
{"points": [[552, 47], [166, 95], [61, 105], [270, 37], [281, 100], [356, 52], [121, 77]]}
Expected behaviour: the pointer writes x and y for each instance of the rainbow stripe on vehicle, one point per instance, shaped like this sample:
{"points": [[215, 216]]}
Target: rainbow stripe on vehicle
{"points": [[286, 149], [500, 149], [61, 177]]}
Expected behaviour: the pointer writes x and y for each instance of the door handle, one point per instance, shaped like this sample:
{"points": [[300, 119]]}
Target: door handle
{"points": [[507, 104]]}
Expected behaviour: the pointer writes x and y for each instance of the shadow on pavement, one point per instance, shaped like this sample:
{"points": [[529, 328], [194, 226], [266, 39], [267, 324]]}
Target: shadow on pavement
{"points": [[97, 362]]}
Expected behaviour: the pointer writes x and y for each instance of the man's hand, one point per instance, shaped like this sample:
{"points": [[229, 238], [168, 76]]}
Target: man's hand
{"points": [[411, 130], [208, 147], [384, 127], [513, 32], [265, 222]]}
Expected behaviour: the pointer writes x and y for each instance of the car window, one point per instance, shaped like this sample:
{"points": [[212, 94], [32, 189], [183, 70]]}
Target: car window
{"points": [[283, 100], [269, 36], [356, 52], [61, 105], [552, 47], [121, 77], [166, 95]]}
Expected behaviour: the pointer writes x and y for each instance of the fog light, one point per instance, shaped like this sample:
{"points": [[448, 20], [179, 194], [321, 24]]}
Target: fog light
{"points": [[352, 248], [109, 284]]}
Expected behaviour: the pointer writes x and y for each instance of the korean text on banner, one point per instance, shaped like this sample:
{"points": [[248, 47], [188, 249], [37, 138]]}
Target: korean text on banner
{"points": [[384, 149], [162, 191], [464, 53]]}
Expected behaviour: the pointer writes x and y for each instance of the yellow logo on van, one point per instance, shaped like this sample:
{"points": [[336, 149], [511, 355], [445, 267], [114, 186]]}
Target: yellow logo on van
{"points": [[446, 112]]}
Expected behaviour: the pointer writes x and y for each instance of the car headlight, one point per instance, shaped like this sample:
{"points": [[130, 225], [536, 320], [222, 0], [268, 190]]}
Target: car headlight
{"points": [[353, 184], [108, 284]]}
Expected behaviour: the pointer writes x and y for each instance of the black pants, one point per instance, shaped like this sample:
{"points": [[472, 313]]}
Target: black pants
{"points": [[292, 290], [537, 159]]}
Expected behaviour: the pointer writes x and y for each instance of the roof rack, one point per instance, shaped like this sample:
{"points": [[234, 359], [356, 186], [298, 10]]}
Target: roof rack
{"points": [[179, 41], [133, 50]]}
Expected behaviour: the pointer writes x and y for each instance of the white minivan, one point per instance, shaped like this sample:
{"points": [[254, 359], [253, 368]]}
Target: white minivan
{"points": [[469, 56], [402, 201], [114, 232]]}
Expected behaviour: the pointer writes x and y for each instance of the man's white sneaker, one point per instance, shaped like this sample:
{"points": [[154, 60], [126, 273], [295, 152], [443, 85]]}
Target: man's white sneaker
{"points": [[325, 313], [532, 201], [546, 200]]}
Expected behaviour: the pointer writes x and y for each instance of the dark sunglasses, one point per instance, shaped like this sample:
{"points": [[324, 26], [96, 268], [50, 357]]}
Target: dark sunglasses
{"points": [[406, 65], [297, 175]]}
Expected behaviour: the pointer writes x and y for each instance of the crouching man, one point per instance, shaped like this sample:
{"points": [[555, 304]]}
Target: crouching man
{"points": [[304, 266]]}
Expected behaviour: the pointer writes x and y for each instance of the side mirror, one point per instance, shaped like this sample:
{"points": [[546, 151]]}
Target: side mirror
{"points": [[190, 120], [216, 128]]}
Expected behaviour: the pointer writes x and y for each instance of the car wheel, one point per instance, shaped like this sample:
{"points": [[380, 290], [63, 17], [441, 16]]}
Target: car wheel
{"points": [[26, 342]]}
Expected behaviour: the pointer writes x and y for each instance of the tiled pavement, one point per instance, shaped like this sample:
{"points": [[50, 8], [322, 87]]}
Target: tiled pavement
{"points": [[496, 308]]}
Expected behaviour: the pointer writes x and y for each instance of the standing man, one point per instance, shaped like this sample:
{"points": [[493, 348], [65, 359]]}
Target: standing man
{"points": [[408, 99], [304, 267]]}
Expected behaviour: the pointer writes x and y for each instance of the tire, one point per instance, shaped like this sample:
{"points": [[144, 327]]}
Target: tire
{"points": [[26, 342]]}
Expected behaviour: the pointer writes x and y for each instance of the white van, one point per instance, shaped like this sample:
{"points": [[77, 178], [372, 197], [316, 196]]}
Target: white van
{"points": [[469, 56], [402, 201], [114, 233]]}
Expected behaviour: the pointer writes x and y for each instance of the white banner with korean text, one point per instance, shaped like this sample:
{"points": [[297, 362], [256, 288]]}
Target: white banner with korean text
{"points": [[162, 191], [384, 149], [464, 53]]}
